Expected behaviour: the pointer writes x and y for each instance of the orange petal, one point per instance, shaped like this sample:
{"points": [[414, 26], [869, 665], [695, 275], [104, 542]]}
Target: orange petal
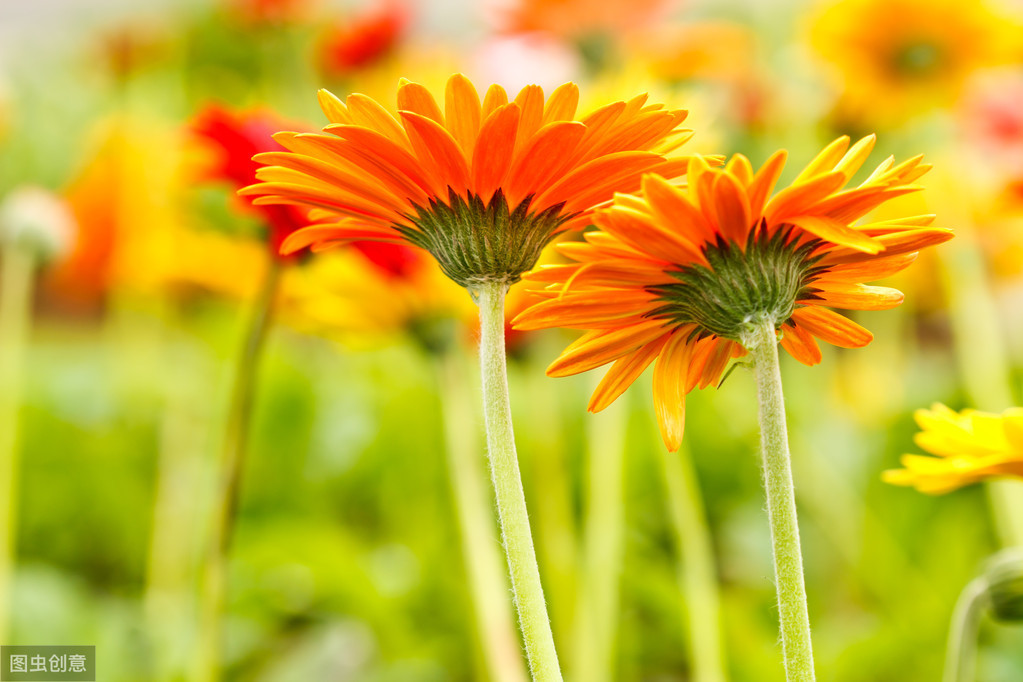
{"points": [[367, 112], [669, 391], [894, 244], [495, 98], [541, 160], [530, 101], [333, 108], [825, 161], [493, 154], [644, 232], [623, 372], [763, 182], [600, 347], [836, 233], [731, 208], [371, 150], [417, 99], [832, 327], [672, 207], [587, 310], [462, 112], [562, 103], [799, 199], [800, 344], [347, 230], [856, 296], [434, 144]]}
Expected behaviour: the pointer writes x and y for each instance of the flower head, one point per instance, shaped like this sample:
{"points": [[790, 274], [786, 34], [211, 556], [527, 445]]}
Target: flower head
{"points": [[678, 275], [482, 185], [970, 446], [911, 54], [234, 137]]}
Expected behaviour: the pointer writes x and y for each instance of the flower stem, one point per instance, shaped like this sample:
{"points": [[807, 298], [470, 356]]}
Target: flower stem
{"points": [[698, 574], [511, 500], [781, 503], [982, 356], [596, 621], [960, 657], [236, 431], [487, 580], [15, 317]]}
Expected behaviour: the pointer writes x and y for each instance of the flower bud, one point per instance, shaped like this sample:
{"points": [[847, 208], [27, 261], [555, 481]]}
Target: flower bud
{"points": [[38, 220]]}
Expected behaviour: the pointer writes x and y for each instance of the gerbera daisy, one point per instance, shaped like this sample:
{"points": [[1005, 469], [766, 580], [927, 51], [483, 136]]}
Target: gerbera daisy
{"points": [[483, 185], [970, 446], [694, 277], [677, 275]]}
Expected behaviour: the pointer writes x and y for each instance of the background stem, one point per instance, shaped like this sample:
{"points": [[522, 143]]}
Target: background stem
{"points": [[236, 431], [697, 570], [596, 623], [511, 501], [487, 580], [781, 504], [961, 654], [18, 265]]}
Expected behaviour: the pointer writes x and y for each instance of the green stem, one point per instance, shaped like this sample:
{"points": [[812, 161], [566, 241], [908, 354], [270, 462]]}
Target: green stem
{"points": [[171, 563], [511, 501], [487, 580], [698, 573], [552, 511], [18, 265], [762, 344], [984, 365], [960, 658], [596, 623], [236, 431]]}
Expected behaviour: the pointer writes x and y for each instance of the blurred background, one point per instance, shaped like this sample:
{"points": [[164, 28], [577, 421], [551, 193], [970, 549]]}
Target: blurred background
{"points": [[130, 269]]}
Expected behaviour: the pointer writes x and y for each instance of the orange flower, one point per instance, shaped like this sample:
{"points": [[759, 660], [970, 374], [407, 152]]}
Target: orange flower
{"points": [[573, 19], [483, 186], [678, 275]]}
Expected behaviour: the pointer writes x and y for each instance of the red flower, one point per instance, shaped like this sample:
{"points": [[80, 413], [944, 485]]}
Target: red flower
{"points": [[364, 39], [235, 137]]}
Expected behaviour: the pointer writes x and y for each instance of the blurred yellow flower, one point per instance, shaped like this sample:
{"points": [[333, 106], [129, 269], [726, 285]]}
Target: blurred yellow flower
{"points": [[346, 295], [971, 446], [900, 56]]}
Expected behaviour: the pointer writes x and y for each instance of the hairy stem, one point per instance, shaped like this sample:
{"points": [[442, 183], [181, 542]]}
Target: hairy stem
{"points": [[762, 343], [511, 500]]}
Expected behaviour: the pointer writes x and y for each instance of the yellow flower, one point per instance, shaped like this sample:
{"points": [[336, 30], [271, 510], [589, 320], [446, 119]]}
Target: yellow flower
{"points": [[345, 295], [971, 446], [899, 56]]}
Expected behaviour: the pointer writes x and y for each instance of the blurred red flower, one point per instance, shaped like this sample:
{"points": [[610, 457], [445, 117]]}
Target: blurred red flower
{"points": [[233, 138], [364, 39]]}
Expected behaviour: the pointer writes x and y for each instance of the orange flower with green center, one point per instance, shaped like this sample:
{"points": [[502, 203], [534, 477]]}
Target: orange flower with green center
{"points": [[970, 447], [680, 275], [482, 185]]}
